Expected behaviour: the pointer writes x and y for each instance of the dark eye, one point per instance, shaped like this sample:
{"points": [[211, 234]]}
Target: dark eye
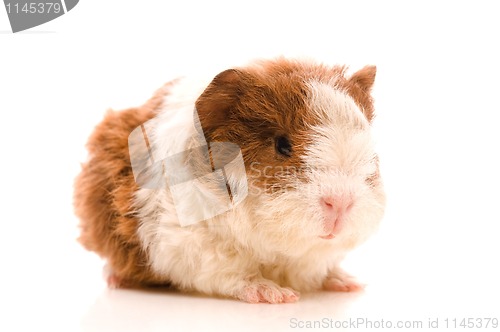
{"points": [[283, 146]]}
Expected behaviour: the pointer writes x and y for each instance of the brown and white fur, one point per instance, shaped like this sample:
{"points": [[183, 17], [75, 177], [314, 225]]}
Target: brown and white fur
{"points": [[305, 209]]}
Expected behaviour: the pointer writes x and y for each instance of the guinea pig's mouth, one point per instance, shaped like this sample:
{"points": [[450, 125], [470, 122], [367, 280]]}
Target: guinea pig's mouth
{"points": [[327, 237], [332, 227]]}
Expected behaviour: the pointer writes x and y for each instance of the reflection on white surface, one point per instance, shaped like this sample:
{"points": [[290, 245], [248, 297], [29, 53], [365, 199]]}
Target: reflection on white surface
{"points": [[158, 311]]}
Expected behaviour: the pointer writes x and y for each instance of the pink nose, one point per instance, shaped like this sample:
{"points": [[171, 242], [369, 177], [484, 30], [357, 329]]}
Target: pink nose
{"points": [[335, 207]]}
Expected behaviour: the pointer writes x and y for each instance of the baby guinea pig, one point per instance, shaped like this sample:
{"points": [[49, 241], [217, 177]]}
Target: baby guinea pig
{"points": [[310, 190]]}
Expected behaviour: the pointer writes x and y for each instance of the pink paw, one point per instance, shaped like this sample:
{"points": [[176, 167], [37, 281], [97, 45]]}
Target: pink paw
{"points": [[268, 293], [113, 281], [342, 283]]}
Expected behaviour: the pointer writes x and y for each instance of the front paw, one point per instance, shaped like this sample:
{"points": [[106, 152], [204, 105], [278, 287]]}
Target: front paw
{"points": [[267, 292], [342, 283]]}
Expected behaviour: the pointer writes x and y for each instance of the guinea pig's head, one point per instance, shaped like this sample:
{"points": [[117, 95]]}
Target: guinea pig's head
{"points": [[304, 132]]}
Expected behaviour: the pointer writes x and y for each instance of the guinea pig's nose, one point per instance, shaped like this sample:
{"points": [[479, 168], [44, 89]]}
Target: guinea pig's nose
{"points": [[335, 208], [336, 204]]}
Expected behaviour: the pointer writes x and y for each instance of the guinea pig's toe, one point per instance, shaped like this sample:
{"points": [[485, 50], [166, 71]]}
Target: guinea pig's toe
{"points": [[289, 295], [268, 293], [342, 284]]}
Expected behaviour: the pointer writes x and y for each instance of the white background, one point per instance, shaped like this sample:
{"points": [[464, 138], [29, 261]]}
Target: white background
{"points": [[437, 97]]}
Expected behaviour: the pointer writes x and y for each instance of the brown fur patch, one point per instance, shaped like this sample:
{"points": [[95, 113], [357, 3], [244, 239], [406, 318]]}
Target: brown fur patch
{"points": [[104, 192], [253, 106]]}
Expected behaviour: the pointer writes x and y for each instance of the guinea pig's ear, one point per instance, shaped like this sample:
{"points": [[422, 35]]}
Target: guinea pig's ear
{"points": [[364, 78], [359, 87], [215, 103]]}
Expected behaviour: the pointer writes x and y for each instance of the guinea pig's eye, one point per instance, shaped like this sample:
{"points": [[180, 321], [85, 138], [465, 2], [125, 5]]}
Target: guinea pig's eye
{"points": [[283, 146]]}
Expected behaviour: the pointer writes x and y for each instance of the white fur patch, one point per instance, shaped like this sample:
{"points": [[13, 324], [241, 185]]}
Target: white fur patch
{"points": [[343, 142], [336, 106], [341, 158]]}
